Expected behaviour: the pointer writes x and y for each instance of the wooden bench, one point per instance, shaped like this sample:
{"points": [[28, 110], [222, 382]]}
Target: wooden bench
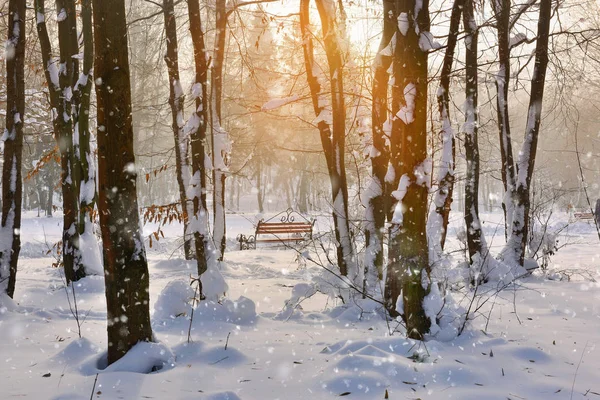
{"points": [[282, 228], [584, 216]]}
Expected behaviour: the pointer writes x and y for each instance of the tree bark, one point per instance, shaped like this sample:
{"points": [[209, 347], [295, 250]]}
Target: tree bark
{"points": [[61, 84], [125, 265], [198, 128], [475, 239], [87, 187], [378, 203], [177, 104], [220, 138], [408, 269], [12, 185], [502, 13]]}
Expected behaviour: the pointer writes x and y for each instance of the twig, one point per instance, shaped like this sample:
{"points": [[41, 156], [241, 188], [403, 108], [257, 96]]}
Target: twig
{"points": [[227, 340], [94, 387], [577, 370]]}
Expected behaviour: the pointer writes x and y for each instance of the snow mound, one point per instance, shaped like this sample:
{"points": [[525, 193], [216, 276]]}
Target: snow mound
{"points": [[358, 310], [75, 352], [92, 284], [221, 396], [292, 308], [173, 301], [143, 358], [217, 357], [6, 304], [240, 312]]}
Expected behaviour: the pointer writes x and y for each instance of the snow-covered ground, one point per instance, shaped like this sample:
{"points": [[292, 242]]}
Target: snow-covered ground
{"points": [[534, 340]]}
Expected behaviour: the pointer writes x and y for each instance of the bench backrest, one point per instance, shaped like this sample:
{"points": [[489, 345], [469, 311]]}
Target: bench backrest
{"points": [[274, 228]]}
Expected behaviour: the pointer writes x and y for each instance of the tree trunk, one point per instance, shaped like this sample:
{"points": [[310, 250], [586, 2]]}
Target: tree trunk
{"points": [[197, 129], [437, 224], [177, 104], [377, 196], [12, 185], [220, 138], [408, 268], [61, 84], [520, 220], [475, 239], [69, 148], [332, 125], [87, 189], [502, 12], [259, 187], [125, 265]]}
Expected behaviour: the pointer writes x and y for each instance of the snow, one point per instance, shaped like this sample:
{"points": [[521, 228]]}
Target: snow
{"points": [[427, 42], [407, 112], [540, 341], [403, 23], [399, 194], [62, 15]]}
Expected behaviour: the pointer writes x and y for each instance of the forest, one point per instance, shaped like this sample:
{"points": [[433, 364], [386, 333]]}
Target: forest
{"points": [[269, 199]]}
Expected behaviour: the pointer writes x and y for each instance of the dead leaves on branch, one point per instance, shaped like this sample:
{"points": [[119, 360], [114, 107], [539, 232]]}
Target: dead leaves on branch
{"points": [[162, 215], [46, 158]]}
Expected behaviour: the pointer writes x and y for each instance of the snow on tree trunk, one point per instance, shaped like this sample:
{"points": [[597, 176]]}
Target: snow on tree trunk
{"points": [[437, 223], [515, 248], [12, 186], [125, 265], [408, 266], [177, 104], [375, 200], [88, 244], [197, 126], [331, 121], [68, 141], [502, 13], [475, 239]]}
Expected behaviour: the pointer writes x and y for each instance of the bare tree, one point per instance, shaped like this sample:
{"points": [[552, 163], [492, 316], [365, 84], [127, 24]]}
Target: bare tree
{"points": [[503, 24], [331, 121], [437, 223], [125, 265], [10, 235], [515, 248], [177, 103], [475, 239]]}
